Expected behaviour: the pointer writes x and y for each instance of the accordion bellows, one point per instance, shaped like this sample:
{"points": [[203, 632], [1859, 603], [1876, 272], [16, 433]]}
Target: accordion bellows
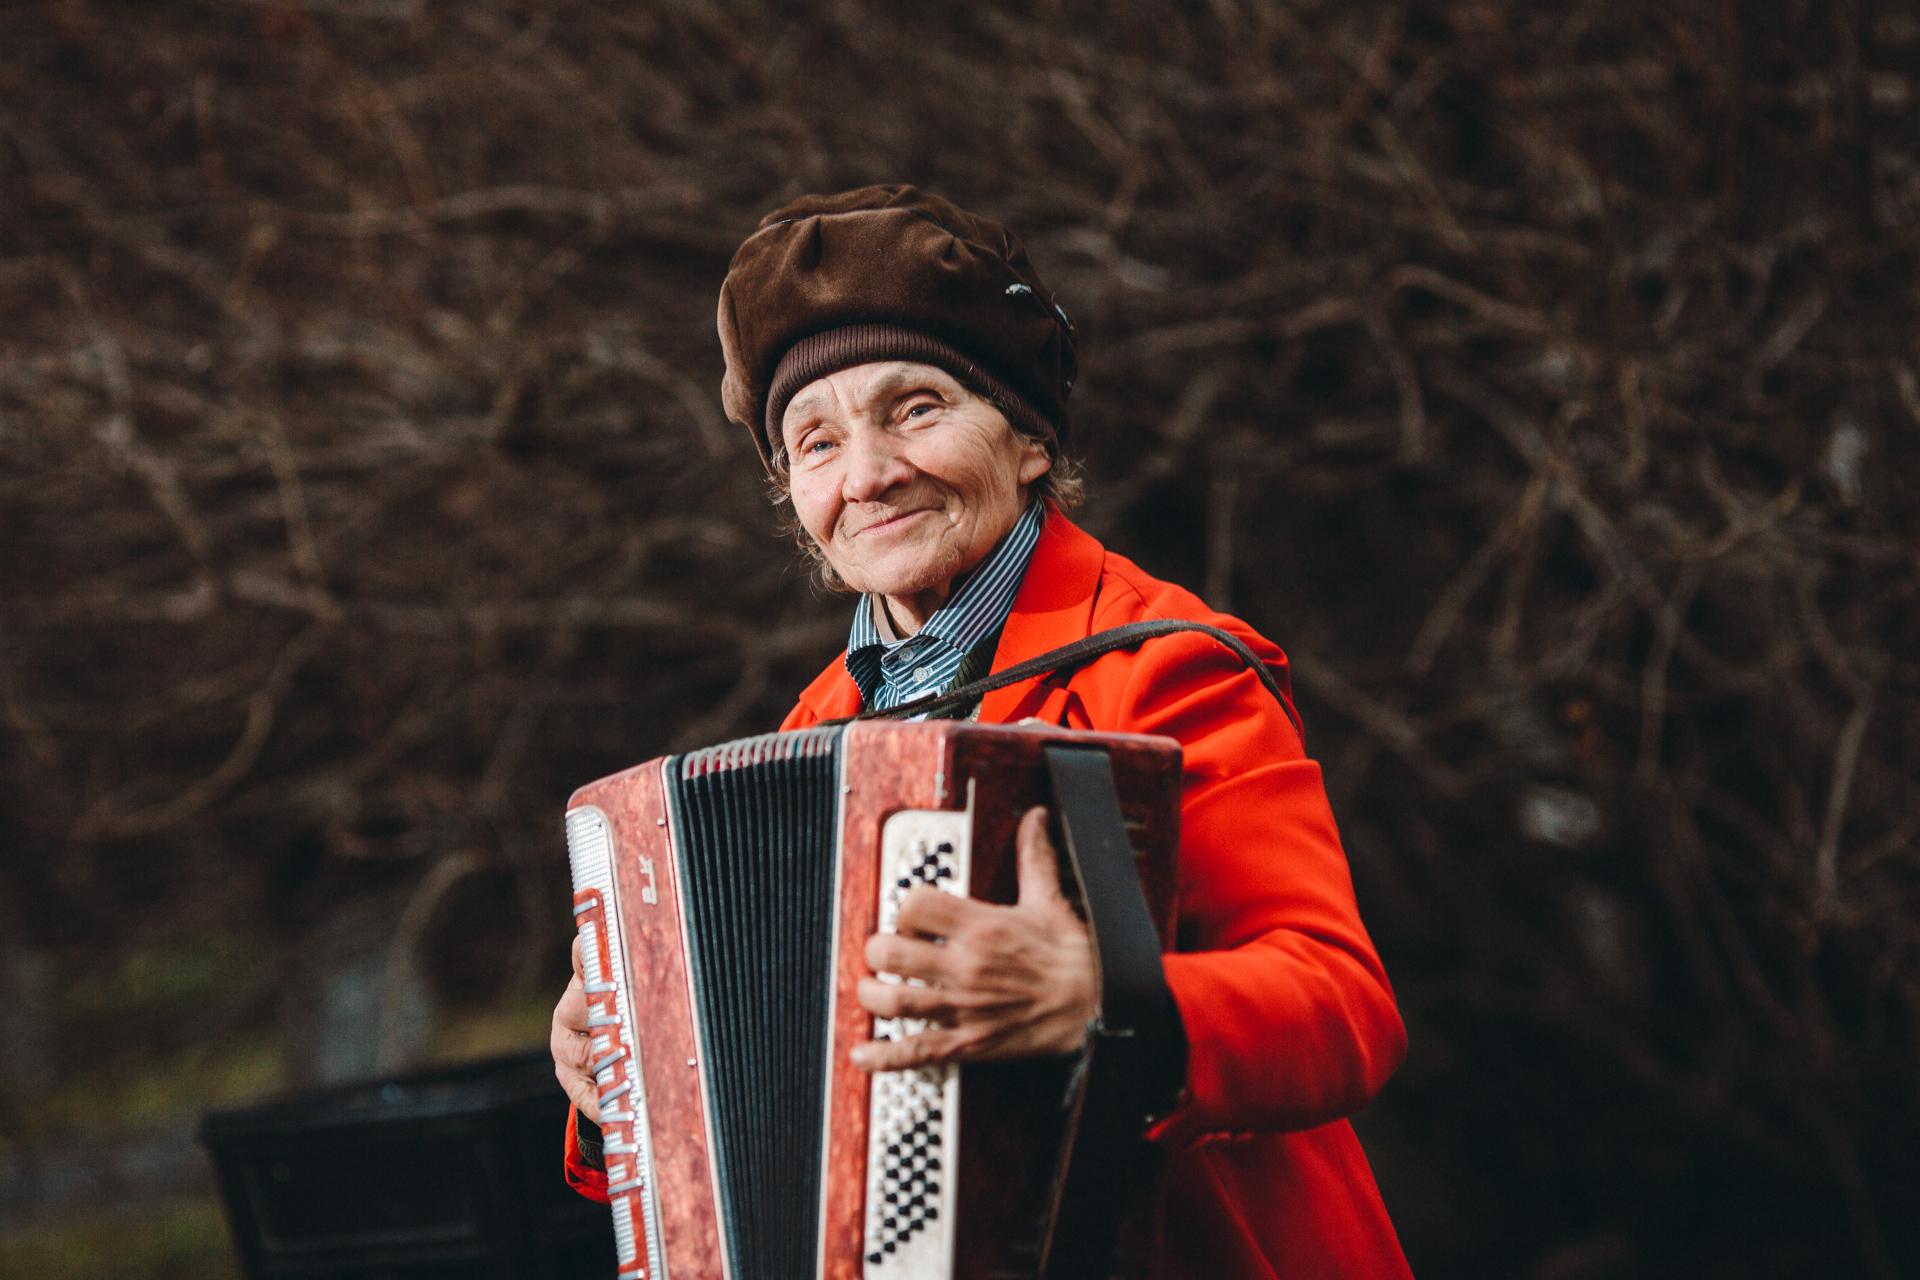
{"points": [[724, 898]]}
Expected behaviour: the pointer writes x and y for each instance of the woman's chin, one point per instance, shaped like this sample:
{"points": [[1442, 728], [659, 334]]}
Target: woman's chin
{"points": [[905, 577]]}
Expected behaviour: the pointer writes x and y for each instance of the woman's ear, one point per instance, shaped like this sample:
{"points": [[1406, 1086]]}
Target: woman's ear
{"points": [[1034, 461]]}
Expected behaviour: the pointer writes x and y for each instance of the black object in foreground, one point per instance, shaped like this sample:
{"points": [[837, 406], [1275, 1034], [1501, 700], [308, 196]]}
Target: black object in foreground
{"points": [[451, 1172]]}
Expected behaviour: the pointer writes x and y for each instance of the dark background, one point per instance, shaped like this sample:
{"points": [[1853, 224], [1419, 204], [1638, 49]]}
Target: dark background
{"points": [[1543, 376]]}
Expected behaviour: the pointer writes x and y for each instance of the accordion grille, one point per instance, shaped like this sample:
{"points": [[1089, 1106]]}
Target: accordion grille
{"points": [[755, 839]]}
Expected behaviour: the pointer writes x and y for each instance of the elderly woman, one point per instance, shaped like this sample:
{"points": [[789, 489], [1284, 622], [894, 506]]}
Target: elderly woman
{"points": [[904, 374]]}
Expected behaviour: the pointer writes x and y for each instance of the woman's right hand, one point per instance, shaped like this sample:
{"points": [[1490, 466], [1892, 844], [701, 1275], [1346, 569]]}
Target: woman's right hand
{"points": [[572, 1044]]}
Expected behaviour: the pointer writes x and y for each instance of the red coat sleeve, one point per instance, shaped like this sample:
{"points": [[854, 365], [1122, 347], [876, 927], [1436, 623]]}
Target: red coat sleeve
{"points": [[582, 1177], [1289, 1017]]}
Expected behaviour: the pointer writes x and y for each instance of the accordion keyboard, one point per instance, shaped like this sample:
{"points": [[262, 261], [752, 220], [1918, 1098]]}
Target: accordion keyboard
{"points": [[914, 1114]]}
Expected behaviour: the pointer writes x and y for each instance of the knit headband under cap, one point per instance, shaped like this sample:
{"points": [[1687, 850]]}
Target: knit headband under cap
{"points": [[824, 353], [890, 273]]}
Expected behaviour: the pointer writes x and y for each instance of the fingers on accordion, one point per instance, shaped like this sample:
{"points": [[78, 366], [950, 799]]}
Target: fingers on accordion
{"points": [[902, 1000], [934, 1046], [898, 957], [933, 913]]}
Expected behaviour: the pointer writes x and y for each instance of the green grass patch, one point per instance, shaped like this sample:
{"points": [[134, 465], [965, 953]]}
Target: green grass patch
{"points": [[130, 1098], [183, 975], [169, 1240]]}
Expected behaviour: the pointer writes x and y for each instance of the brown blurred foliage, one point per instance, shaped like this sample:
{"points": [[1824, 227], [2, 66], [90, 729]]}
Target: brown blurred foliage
{"points": [[1544, 377]]}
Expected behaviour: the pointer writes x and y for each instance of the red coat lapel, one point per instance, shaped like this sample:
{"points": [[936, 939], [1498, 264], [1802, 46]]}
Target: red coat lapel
{"points": [[1054, 607], [832, 696]]}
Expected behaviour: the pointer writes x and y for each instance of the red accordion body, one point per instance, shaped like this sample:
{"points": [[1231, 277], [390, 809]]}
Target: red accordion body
{"points": [[724, 899]]}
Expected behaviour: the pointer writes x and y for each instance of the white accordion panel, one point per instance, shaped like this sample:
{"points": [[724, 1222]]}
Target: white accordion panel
{"points": [[913, 1138]]}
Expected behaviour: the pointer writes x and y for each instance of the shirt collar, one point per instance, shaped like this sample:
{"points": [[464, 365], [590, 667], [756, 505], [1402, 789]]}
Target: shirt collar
{"points": [[977, 608]]}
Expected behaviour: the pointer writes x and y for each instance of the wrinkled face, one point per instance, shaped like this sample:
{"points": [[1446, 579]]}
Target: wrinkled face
{"points": [[904, 478]]}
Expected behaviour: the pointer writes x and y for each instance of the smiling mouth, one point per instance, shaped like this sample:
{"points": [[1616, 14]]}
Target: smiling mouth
{"points": [[889, 523]]}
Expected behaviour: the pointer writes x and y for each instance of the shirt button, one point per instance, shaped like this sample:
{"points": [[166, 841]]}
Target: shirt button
{"points": [[921, 674]]}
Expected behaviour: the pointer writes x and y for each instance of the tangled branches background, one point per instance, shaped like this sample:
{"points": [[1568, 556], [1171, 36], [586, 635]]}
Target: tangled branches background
{"points": [[1543, 377]]}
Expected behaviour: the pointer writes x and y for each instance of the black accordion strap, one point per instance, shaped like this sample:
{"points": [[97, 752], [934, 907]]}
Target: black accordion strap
{"points": [[1105, 1160], [1071, 657]]}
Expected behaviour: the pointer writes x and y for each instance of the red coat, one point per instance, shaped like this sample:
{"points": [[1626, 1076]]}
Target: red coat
{"points": [[1290, 1021]]}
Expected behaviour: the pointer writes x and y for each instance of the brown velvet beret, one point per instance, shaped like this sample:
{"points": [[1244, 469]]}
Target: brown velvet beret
{"points": [[890, 273]]}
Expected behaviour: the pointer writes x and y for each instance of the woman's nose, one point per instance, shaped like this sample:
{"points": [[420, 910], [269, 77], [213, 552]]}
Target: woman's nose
{"points": [[875, 465]]}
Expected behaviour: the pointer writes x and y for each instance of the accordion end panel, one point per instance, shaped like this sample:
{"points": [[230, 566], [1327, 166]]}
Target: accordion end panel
{"points": [[966, 1196], [669, 1187], [1011, 1124], [911, 759]]}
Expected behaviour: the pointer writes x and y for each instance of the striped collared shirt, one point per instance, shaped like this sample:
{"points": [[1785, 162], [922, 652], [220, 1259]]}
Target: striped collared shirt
{"points": [[892, 672]]}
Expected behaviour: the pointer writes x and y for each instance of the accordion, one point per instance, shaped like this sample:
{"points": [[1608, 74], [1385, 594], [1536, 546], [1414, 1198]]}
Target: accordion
{"points": [[724, 898]]}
